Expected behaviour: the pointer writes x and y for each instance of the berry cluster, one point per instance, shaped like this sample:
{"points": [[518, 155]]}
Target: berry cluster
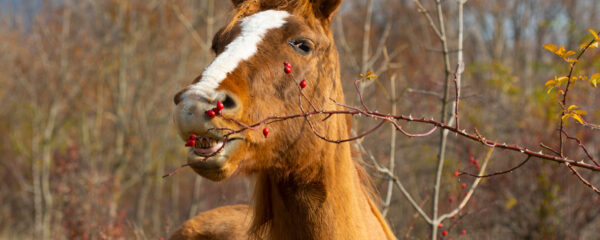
{"points": [[215, 111], [288, 67], [191, 141], [474, 162]]}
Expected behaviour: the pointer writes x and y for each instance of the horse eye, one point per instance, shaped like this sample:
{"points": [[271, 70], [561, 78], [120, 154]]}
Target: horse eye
{"points": [[303, 46]]}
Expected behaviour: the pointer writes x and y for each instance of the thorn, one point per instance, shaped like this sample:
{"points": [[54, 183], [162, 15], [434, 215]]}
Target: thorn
{"points": [[464, 132], [504, 144], [541, 152], [410, 117]]}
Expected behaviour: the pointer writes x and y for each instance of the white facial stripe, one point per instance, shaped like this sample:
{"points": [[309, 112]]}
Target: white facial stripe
{"points": [[253, 29]]}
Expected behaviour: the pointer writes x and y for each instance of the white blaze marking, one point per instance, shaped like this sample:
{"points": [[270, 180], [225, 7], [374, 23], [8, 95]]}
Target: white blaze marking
{"points": [[253, 29]]}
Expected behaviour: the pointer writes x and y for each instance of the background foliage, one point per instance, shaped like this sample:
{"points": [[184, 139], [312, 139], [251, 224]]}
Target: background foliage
{"points": [[86, 102]]}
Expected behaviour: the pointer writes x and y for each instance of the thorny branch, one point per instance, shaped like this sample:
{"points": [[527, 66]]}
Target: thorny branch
{"points": [[395, 121]]}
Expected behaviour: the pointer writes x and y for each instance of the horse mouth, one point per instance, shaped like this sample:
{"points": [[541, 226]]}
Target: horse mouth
{"points": [[210, 152], [207, 146]]}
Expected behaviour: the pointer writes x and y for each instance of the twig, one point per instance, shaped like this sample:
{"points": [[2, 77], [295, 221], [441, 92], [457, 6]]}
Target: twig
{"points": [[425, 92], [400, 186], [444, 114], [582, 179], [392, 161], [564, 100], [429, 19], [582, 147], [176, 170], [497, 173], [550, 149], [189, 27]]}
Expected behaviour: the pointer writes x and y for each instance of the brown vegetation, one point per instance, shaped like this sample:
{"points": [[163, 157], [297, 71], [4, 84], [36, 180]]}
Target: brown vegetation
{"points": [[86, 114]]}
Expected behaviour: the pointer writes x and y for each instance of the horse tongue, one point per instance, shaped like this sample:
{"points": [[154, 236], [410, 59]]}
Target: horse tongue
{"points": [[207, 146]]}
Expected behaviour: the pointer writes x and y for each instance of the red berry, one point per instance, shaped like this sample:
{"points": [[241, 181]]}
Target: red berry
{"points": [[190, 143], [456, 173], [219, 105], [303, 83], [471, 159], [451, 199], [463, 232], [463, 186], [444, 233], [287, 70], [454, 217], [217, 111], [287, 64], [210, 113], [265, 132], [478, 166], [192, 137], [440, 225]]}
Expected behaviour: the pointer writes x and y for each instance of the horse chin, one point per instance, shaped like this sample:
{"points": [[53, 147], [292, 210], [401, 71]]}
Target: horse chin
{"points": [[217, 167]]}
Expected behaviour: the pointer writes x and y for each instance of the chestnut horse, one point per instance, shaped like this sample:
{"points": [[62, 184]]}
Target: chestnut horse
{"points": [[305, 188]]}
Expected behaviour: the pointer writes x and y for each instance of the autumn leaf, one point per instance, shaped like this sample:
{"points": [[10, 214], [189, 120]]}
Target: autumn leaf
{"points": [[510, 203], [577, 117], [572, 107], [551, 47], [595, 34], [594, 79]]}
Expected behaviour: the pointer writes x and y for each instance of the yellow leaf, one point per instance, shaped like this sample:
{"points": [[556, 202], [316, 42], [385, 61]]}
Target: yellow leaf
{"points": [[582, 46], [561, 51], [571, 60], [569, 53], [594, 33], [578, 118], [550, 82], [551, 47], [572, 107], [580, 112], [594, 82], [595, 76], [594, 45], [510, 203], [561, 80], [564, 117]]}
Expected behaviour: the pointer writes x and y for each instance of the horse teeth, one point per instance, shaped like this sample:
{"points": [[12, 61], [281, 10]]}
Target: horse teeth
{"points": [[206, 142]]}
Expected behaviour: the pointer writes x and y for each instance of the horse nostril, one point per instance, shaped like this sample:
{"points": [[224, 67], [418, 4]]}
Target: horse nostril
{"points": [[229, 102], [176, 99]]}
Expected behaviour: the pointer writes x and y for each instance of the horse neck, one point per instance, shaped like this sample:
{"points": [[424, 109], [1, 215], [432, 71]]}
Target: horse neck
{"points": [[332, 205]]}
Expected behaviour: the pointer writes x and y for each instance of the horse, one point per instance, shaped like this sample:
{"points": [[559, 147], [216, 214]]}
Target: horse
{"points": [[304, 187]]}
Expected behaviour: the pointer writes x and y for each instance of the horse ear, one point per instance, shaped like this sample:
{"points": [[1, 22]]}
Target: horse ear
{"points": [[325, 8]]}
